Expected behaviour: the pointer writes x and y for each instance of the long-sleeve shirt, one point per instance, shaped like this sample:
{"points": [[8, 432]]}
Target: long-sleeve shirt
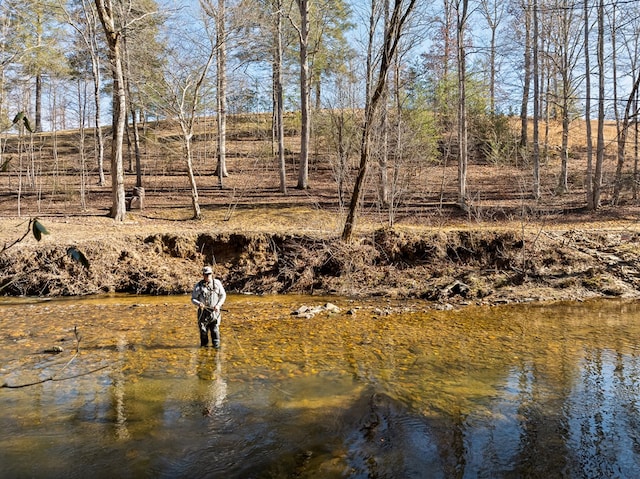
{"points": [[209, 294]]}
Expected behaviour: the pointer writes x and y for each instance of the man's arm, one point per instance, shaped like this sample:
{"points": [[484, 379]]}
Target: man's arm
{"points": [[195, 297], [222, 295]]}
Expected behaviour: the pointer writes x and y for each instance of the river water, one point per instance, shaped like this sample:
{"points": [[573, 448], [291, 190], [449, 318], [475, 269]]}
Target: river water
{"points": [[376, 390]]}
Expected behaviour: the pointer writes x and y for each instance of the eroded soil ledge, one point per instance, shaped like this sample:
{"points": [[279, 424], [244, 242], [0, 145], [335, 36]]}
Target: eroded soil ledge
{"points": [[451, 267]]}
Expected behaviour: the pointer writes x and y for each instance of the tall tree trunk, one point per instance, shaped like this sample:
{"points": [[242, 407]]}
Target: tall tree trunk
{"points": [[636, 149], [492, 71], [82, 109], [390, 45], [526, 83], [38, 117], [370, 59], [278, 96], [136, 144], [383, 187], [39, 27], [187, 134], [587, 112], [536, 105], [187, 119], [567, 16], [447, 44], [462, 104], [546, 80], [132, 111], [563, 181], [303, 34], [492, 11], [90, 39], [620, 128], [597, 178], [99, 135], [118, 208], [114, 38], [221, 81]]}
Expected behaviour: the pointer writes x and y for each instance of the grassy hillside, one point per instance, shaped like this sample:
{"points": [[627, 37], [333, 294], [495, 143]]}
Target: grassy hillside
{"points": [[45, 174]]}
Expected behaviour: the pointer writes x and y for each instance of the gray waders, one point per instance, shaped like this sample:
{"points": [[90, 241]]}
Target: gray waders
{"points": [[207, 323]]}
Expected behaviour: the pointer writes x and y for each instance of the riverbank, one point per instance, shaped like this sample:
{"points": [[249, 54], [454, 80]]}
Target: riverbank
{"points": [[449, 265]]}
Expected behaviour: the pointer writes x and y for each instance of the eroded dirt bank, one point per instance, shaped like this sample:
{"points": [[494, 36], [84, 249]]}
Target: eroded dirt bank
{"points": [[448, 268]]}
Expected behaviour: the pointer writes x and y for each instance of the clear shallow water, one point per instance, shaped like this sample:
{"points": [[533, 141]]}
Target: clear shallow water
{"points": [[522, 391]]}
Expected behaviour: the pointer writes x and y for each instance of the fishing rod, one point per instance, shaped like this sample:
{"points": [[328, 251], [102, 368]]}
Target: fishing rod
{"points": [[209, 308]]}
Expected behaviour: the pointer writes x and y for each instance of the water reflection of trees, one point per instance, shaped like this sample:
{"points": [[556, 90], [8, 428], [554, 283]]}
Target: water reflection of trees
{"points": [[567, 405]]}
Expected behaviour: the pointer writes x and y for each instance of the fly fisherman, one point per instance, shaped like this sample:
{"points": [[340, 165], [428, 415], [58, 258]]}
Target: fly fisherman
{"points": [[208, 295]]}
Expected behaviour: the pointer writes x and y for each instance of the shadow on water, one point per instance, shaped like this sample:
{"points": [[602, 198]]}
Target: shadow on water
{"points": [[394, 390]]}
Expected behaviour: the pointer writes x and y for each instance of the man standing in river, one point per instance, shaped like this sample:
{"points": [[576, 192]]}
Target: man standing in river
{"points": [[209, 296]]}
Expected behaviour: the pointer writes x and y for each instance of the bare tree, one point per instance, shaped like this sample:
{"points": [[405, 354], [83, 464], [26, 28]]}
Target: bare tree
{"points": [[85, 23], [278, 94], [622, 137], [184, 103], [632, 47], [179, 96], [563, 45], [383, 157], [598, 173], [221, 90], [132, 110], [218, 13], [587, 111], [39, 31], [109, 19], [493, 12], [462, 8], [113, 23], [399, 16], [536, 105], [343, 137], [526, 81], [303, 40], [143, 53], [623, 124]]}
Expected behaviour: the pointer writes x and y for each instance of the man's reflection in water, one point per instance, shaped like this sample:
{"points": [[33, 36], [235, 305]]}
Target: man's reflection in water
{"points": [[209, 371], [119, 383]]}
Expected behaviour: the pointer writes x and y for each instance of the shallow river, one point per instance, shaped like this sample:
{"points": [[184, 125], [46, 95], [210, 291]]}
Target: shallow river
{"points": [[373, 391]]}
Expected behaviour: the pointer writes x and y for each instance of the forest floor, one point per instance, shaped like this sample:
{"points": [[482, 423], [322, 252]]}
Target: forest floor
{"points": [[507, 248]]}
